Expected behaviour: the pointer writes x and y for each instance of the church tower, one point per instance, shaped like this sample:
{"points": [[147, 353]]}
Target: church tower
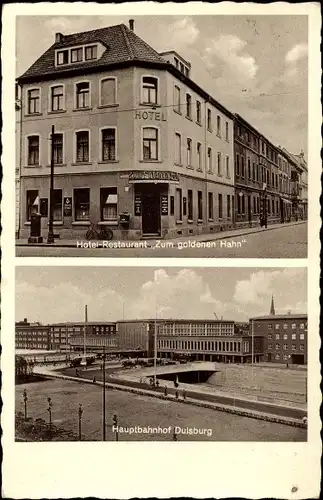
{"points": [[272, 307]]}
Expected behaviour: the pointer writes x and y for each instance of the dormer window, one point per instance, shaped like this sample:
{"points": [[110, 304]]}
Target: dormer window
{"points": [[91, 53], [77, 55], [62, 57]]}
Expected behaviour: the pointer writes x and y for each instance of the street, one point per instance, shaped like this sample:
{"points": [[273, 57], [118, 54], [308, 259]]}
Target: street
{"points": [[281, 242], [136, 410]]}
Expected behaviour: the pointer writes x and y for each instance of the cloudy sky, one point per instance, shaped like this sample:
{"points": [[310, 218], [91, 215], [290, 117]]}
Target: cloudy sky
{"points": [[254, 65], [54, 294]]}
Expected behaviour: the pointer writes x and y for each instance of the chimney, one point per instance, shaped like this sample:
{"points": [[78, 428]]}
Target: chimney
{"points": [[59, 37], [25, 320], [131, 24]]}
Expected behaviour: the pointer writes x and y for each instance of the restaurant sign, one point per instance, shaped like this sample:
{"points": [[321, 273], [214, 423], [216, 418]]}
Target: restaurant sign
{"points": [[154, 176]]}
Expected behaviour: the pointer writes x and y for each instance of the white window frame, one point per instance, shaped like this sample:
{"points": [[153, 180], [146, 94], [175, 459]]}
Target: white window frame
{"points": [[209, 160], [189, 164], [142, 90], [227, 166], [50, 147], [27, 150], [180, 163], [101, 105], [190, 116], [58, 84], [158, 143], [209, 113], [75, 145], [27, 101], [199, 167], [101, 143], [90, 94]]}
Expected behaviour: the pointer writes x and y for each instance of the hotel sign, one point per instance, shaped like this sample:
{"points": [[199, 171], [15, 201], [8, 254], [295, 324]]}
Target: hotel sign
{"points": [[150, 115], [154, 176]]}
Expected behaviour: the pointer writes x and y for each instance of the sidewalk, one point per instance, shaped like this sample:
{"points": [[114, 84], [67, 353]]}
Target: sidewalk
{"points": [[152, 243]]}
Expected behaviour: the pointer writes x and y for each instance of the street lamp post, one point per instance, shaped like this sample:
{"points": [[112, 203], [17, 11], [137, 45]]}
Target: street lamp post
{"points": [[49, 409], [103, 397], [80, 421], [50, 237], [25, 403]]}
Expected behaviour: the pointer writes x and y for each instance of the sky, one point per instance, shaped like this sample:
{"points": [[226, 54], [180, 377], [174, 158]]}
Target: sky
{"points": [[254, 65], [59, 294]]}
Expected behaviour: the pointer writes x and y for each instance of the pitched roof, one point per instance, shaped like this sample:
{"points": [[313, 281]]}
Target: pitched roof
{"points": [[121, 44], [281, 316]]}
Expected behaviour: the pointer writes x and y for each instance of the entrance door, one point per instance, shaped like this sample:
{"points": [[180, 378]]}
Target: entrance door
{"points": [[151, 212]]}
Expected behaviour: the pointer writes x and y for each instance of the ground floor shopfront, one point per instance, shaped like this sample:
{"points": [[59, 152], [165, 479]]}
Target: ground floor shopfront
{"points": [[252, 205], [158, 204]]}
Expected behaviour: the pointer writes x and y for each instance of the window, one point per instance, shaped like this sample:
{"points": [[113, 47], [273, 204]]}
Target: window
{"points": [[293, 347], [150, 144], [301, 347], [269, 336], [285, 336], [198, 112], [273, 206], [270, 346], [302, 326], [82, 147], [177, 99], [178, 149], [81, 204], [277, 347], [58, 149], [242, 167], [172, 204], [188, 106], [209, 159], [285, 326], [178, 204], [277, 326], [108, 144], [199, 156], [226, 131], [57, 205], [249, 169], [219, 164], [218, 126], [200, 205], [108, 203], [33, 97], [293, 336], [277, 356], [149, 90], [237, 165], [77, 55], [227, 166], [32, 203], [294, 326], [209, 119], [210, 204], [228, 206], [285, 347], [91, 53], [57, 98], [220, 206], [189, 152], [108, 92], [190, 204], [82, 95], [33, 150], [301, 336], [62, 57]]}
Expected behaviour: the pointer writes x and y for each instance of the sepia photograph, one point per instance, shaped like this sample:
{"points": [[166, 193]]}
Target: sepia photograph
{"points": [[162, 136], [180, 354]]}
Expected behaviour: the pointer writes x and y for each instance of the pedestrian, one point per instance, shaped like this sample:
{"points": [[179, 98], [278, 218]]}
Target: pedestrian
{"points": [[165, 391], [184, 394], [94, 380], [176, 394], [157, 383]]}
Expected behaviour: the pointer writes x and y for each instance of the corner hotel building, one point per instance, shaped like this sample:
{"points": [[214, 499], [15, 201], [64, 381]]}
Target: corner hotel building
{"points": [[133, 133]]}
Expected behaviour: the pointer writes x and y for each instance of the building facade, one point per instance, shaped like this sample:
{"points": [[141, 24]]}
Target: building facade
{"points": [[71, 335], [132, 134], [32, 336], [284, 337]]}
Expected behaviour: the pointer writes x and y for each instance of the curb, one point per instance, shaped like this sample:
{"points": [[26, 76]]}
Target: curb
{"points": [[213, 406], [233, 235]]}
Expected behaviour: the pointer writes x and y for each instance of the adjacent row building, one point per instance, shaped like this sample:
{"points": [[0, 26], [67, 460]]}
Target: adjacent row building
{"points": [[273, 338], [133, 133]]}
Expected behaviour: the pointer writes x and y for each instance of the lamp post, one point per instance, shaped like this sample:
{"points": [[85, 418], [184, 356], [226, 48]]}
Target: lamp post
{"points": [[115, 424], [49, 409], [103, 397], [25, 402], [80, 412], [50, 237]]}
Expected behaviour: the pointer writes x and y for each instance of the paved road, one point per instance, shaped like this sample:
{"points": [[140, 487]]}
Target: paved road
{"points": [[282, 242], [136, 410]]}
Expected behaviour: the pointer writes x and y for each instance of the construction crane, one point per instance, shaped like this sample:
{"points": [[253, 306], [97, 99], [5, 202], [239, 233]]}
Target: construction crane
{"points": [[216, 317]]}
